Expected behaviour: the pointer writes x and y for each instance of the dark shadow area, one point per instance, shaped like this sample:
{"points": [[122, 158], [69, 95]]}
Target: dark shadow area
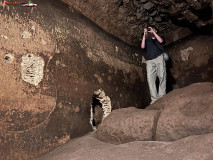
{"points": [[204, 27], [97, 112], [206, 30], [121, 3], [204, 14], [170, 79]]}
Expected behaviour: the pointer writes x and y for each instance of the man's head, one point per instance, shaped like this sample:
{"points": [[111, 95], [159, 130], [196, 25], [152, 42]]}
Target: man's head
{"points": [[154, 29], [151, 30]]}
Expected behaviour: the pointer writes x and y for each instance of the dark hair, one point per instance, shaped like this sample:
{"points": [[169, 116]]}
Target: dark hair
{"points": [[154, 28]]}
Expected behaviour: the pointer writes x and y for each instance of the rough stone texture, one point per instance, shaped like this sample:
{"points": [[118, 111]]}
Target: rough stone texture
{"points": [[127, 19], [79, 58], [187, 111], [37, 117], [191, 61], [182, 95], [190, 11], [192, 118], [88, 147], [128, 124], [181, 113]]}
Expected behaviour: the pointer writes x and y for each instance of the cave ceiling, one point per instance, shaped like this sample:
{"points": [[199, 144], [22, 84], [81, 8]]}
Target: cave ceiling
{"points": [[126, 19]]}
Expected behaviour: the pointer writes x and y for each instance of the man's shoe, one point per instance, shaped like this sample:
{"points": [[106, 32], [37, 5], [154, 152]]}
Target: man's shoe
{"points": [[152, 102]]}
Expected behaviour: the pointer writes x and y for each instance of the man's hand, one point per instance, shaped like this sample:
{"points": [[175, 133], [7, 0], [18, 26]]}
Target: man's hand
{"points": [[151, 30], [144, 37], [154, 32], [145, 32]]}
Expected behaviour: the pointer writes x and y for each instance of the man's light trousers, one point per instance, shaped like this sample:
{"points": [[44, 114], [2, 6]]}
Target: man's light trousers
{"points": [[156, 67]]}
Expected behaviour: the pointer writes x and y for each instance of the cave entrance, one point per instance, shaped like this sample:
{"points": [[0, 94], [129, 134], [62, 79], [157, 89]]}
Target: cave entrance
{"points": [[97, 112], [100, 108]]}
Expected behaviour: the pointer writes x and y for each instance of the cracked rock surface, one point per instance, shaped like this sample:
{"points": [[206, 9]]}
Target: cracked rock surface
{"points": [[126, 19]]}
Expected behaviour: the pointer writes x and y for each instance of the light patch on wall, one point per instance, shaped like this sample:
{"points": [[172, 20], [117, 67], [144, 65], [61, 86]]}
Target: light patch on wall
{"points": [[9, 58], [106, 105], [4, 37], [26, 35], [116, 48], [43, 42], [32, 69], [100, 80], [143, 60], [185, 54]]}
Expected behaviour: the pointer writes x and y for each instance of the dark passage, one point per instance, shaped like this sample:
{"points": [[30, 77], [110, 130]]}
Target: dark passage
{"points": [[97, 112]]}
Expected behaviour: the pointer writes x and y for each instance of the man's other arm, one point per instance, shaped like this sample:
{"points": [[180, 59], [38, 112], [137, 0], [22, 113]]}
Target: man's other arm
{"points": [[160, 40], [143, 44]]}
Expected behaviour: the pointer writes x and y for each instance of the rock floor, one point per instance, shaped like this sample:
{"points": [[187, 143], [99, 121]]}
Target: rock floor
{"points": [[89, 148]]}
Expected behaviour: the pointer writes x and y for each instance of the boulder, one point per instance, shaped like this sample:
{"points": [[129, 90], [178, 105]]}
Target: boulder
{"points": [[179, 114], [182, 95], [193, 117], [185, 112], [128, 124]]}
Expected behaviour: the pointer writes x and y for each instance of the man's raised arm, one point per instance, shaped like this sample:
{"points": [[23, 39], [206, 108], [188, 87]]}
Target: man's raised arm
{"points": [[144, 38], [160, 40]]}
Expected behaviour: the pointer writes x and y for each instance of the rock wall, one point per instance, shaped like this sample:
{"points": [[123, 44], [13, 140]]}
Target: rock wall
{"points": [[191, 61], [126, 19], [52, 61], [186, 26]]}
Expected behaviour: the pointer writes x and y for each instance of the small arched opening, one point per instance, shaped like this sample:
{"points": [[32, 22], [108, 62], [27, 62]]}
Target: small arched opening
{"points": [[100, 108]]}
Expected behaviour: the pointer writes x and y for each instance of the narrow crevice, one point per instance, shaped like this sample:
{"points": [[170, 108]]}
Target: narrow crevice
{"points": [[154, 129]]}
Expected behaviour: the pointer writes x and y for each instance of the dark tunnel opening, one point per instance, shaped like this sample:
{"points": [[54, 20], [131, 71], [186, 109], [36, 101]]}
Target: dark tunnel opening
{"points": [[97, 112], [204, 14]]}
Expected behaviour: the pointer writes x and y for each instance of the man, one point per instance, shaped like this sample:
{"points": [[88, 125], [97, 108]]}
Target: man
{"points": [[155, 64]]}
